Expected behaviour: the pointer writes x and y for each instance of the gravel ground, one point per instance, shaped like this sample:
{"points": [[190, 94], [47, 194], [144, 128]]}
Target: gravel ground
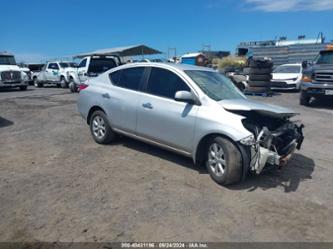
{"points": [[57, 184]]}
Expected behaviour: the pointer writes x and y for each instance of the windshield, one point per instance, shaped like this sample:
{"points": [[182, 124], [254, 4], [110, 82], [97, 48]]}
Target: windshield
{"points": [[325, 57], [287, 69], [7, 60], [215, 85]]}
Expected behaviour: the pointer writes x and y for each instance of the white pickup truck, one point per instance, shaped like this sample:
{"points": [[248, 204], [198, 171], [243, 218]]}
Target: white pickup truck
{"points": [[10, 74], [59, 73], [91, 66]]}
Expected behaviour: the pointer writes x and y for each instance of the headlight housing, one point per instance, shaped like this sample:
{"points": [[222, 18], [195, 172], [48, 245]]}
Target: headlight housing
{"points": [[248, 141], [24, 76], [307, 78]]}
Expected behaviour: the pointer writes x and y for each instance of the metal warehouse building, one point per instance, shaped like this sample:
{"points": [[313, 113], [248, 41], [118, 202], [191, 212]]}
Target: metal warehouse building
{"points": [[283, 51]]}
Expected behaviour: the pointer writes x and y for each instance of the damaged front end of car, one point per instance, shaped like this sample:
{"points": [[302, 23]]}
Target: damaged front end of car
{"points": [[275, 137], [275, 140]]}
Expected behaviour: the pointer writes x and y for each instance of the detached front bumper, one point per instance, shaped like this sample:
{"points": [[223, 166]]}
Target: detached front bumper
{"points": [[275, 148]]}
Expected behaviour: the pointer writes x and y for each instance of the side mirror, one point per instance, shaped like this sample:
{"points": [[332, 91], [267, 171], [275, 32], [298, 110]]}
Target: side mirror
{"points": [[185, 96], [304, 64]]}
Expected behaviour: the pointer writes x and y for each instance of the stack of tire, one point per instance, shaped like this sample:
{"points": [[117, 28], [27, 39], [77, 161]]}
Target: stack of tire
{"points": [[260, 75]]}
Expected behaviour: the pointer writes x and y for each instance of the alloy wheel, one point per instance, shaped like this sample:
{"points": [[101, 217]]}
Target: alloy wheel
{"points": [[98, 127], [216, 159]]}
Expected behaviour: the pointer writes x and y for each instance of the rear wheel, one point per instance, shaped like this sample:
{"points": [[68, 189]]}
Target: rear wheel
{"points": [[72, 86], [23, 88], [37, 83], [100, 128], [63, 82], [223, 161]]}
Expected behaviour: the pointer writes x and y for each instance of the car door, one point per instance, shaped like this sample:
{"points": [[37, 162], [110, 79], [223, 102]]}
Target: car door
{"points": [[160, 117], [52, 72], [83, 69], [122, 98]]}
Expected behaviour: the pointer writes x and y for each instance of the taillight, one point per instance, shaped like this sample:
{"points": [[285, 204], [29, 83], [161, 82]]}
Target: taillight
{"points": [[82, 87]]}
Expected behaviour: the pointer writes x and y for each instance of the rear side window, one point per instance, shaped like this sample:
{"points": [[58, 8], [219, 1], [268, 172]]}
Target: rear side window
{"points": [[165, 83], [101, 65], [128, 78], [83, 63]]}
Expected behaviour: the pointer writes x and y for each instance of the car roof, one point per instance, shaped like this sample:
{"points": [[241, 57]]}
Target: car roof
{"points": [[182, 67]]}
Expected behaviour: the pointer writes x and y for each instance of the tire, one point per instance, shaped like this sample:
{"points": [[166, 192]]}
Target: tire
{"points": [[37, 83], [58, 85], [100, 128], [258, 83], [63, 83], [260, 77], [241, 86], [261, 64], [258, 89], [23, 88], [246, 70], [72, 87], [260, 71], [229, 168], [304, 99]]}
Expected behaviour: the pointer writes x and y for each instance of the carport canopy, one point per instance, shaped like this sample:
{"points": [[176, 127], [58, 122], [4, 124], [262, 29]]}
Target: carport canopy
{"points": [[134, 50]]}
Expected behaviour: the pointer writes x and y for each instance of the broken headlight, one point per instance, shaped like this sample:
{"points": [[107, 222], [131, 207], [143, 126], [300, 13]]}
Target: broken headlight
{"points": [[248, 141]]}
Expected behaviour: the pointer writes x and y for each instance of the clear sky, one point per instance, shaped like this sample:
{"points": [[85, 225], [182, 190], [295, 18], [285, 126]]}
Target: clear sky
{"points": [[41, 29]]}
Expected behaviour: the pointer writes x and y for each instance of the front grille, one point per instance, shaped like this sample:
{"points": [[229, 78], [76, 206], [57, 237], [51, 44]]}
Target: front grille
{"points": [[281, 84], [326, 77], [11, 76]]}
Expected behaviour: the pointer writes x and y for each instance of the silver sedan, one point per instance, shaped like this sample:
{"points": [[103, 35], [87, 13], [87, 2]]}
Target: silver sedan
{"points": [[193, 111]]}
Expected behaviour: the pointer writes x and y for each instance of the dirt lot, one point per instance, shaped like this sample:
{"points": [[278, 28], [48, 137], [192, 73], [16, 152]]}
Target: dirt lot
{"points": [[57, 184]]}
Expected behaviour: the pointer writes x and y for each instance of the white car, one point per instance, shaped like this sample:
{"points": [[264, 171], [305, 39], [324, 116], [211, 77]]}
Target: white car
{"points": [[55, 73], [11, 76], [287, 77], [90, 67]]}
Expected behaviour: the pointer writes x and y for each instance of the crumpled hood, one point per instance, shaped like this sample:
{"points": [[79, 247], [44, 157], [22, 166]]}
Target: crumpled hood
{"points": [[251, 105]]}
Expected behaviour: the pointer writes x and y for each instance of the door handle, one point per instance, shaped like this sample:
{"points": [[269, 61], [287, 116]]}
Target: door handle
{"points": [[147, 105], [106, 95]]}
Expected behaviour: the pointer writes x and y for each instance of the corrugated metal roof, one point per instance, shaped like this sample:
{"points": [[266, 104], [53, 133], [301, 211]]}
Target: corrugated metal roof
{"points": [[191, 55], [133, 50]]}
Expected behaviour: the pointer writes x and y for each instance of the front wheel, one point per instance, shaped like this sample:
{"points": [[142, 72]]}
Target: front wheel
{"points": [[304, 99], [100, 128], [223, 161]]}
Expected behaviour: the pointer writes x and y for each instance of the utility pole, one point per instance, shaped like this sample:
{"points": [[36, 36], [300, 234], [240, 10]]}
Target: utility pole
{"points": [[206, 47], [172, 51]]}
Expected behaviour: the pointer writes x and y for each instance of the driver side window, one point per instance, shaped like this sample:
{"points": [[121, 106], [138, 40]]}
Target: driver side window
{"points": [[165, 83]]}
